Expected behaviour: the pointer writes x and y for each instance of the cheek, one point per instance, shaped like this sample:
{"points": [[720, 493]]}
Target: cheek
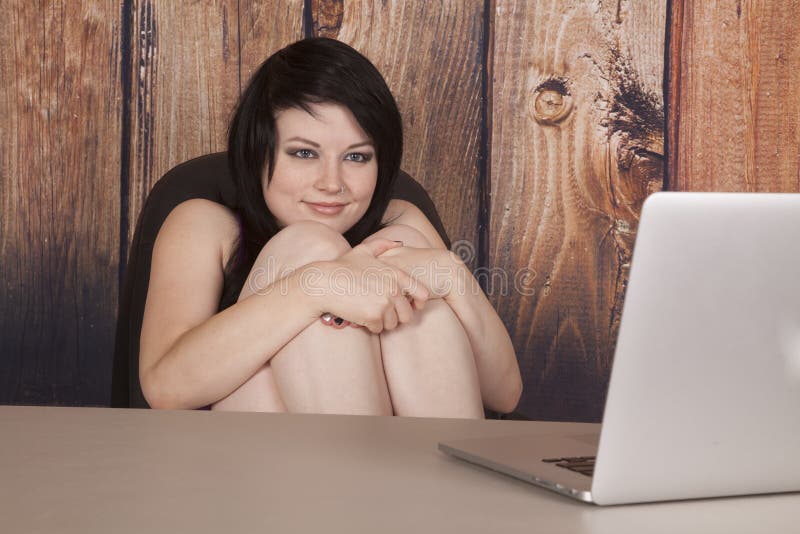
{"points": [[365, 186], [283, 185], [364, 192], [279, 196]]}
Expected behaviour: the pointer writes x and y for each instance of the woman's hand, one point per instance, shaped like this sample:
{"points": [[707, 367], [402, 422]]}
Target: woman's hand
{"points": [[364, 290], [438, 270]]}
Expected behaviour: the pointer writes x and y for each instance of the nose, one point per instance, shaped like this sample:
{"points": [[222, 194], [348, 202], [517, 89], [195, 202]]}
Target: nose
{"points": [[329, 178]]}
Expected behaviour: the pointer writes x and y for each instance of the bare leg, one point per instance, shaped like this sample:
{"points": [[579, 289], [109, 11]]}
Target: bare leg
{"points": [[429, 364], [322, 370]]}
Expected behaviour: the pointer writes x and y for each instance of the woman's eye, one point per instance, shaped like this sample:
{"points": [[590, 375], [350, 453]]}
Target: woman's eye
{"points": [[358, 157], [303, 153]]}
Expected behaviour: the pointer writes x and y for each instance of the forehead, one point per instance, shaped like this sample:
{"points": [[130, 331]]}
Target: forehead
{"points": [[327, 121]]}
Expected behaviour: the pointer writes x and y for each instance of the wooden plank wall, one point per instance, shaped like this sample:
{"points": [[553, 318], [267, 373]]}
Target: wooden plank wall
{"points": [[736, 119], [537, 127], [60, 96], [186, 76], [576, 146]]}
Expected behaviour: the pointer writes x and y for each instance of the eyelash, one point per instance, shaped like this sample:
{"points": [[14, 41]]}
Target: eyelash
{"points": [[296, 153], [362, 157]]}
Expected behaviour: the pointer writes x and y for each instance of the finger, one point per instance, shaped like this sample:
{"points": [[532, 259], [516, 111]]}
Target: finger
{"points": [[390, 319], [391, 252], [403, 309], [413, 288], [379, 245], [417, 303], [376, 327]]}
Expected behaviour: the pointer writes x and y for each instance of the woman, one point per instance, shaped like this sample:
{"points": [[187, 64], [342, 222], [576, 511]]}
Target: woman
{"points": [[250, 310]]}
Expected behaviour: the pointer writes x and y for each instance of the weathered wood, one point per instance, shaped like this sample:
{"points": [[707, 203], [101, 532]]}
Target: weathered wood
{"points": [[327, 17], [672, 88], [430, 55], [576, 145], [266, 27], [59, 189], [185, 72], [738, 123]]}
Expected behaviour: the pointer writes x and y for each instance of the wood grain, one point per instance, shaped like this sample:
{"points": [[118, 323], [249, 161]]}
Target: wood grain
{"points": [[430, 55], [576, 145], [59, 188], [265, 28], [185, 73], [326, 17], [739, 96]]}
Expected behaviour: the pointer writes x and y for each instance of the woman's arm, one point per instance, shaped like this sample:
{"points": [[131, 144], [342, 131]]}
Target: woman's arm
{"points": [[498, 370], [190, 355]]}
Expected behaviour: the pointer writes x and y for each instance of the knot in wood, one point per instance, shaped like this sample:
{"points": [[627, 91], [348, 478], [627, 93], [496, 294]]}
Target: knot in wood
{"points": [[551, 106]]}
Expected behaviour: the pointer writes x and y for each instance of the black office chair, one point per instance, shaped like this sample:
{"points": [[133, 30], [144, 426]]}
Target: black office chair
{"points": [[204, 177]]}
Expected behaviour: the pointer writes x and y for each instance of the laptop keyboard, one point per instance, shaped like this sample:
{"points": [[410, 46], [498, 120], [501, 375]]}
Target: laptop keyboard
{"points": [[580, 464]]}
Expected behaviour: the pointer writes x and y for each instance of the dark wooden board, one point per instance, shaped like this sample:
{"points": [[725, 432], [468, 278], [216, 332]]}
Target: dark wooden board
{"points": [[59, 188]]}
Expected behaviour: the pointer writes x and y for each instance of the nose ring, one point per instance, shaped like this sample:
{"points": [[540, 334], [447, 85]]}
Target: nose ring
{"points": [[341, 190]]}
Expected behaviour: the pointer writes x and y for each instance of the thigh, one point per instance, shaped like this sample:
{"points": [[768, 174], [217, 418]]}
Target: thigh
{"points": [[293, 247], [328, 370], [429, 364]]}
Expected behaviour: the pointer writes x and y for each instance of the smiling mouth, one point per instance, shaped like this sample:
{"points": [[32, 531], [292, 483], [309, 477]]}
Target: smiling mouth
{"points": [[326, 208], [327, 204]]}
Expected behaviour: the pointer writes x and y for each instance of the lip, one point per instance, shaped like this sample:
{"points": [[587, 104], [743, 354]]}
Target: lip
{"points": [[326, 208]]}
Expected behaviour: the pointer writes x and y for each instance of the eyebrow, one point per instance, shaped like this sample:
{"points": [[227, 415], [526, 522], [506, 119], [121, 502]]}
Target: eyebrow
{"points": [[316, 145]]}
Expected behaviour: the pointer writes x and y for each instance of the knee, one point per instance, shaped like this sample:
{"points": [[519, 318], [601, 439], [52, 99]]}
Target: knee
{"points": [[306, 241]]}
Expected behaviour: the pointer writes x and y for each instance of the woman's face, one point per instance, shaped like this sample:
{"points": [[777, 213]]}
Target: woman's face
{"points": [[325, 168]]}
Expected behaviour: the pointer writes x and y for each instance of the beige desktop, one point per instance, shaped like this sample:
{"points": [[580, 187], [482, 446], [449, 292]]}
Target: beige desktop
{"points": [[100, 470]]}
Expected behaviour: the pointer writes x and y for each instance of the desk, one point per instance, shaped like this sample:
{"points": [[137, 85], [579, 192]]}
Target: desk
{"points": [[97, 470]]}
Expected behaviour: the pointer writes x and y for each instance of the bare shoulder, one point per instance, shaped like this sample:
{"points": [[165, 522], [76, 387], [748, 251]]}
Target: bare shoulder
{"points": [[202, 222], [395, 209], [406, 213], [186, 275]]}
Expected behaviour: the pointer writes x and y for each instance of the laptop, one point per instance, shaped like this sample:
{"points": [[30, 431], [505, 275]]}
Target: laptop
{"points": [[704, 396]]}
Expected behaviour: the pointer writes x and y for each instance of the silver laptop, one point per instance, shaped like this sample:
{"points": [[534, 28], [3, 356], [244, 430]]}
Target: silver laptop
{"points": [[704, 397]]}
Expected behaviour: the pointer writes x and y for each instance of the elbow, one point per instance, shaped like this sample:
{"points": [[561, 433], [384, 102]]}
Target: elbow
{"points": [[512, 386], [508, 399], [512, 396], [155, 393]]}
